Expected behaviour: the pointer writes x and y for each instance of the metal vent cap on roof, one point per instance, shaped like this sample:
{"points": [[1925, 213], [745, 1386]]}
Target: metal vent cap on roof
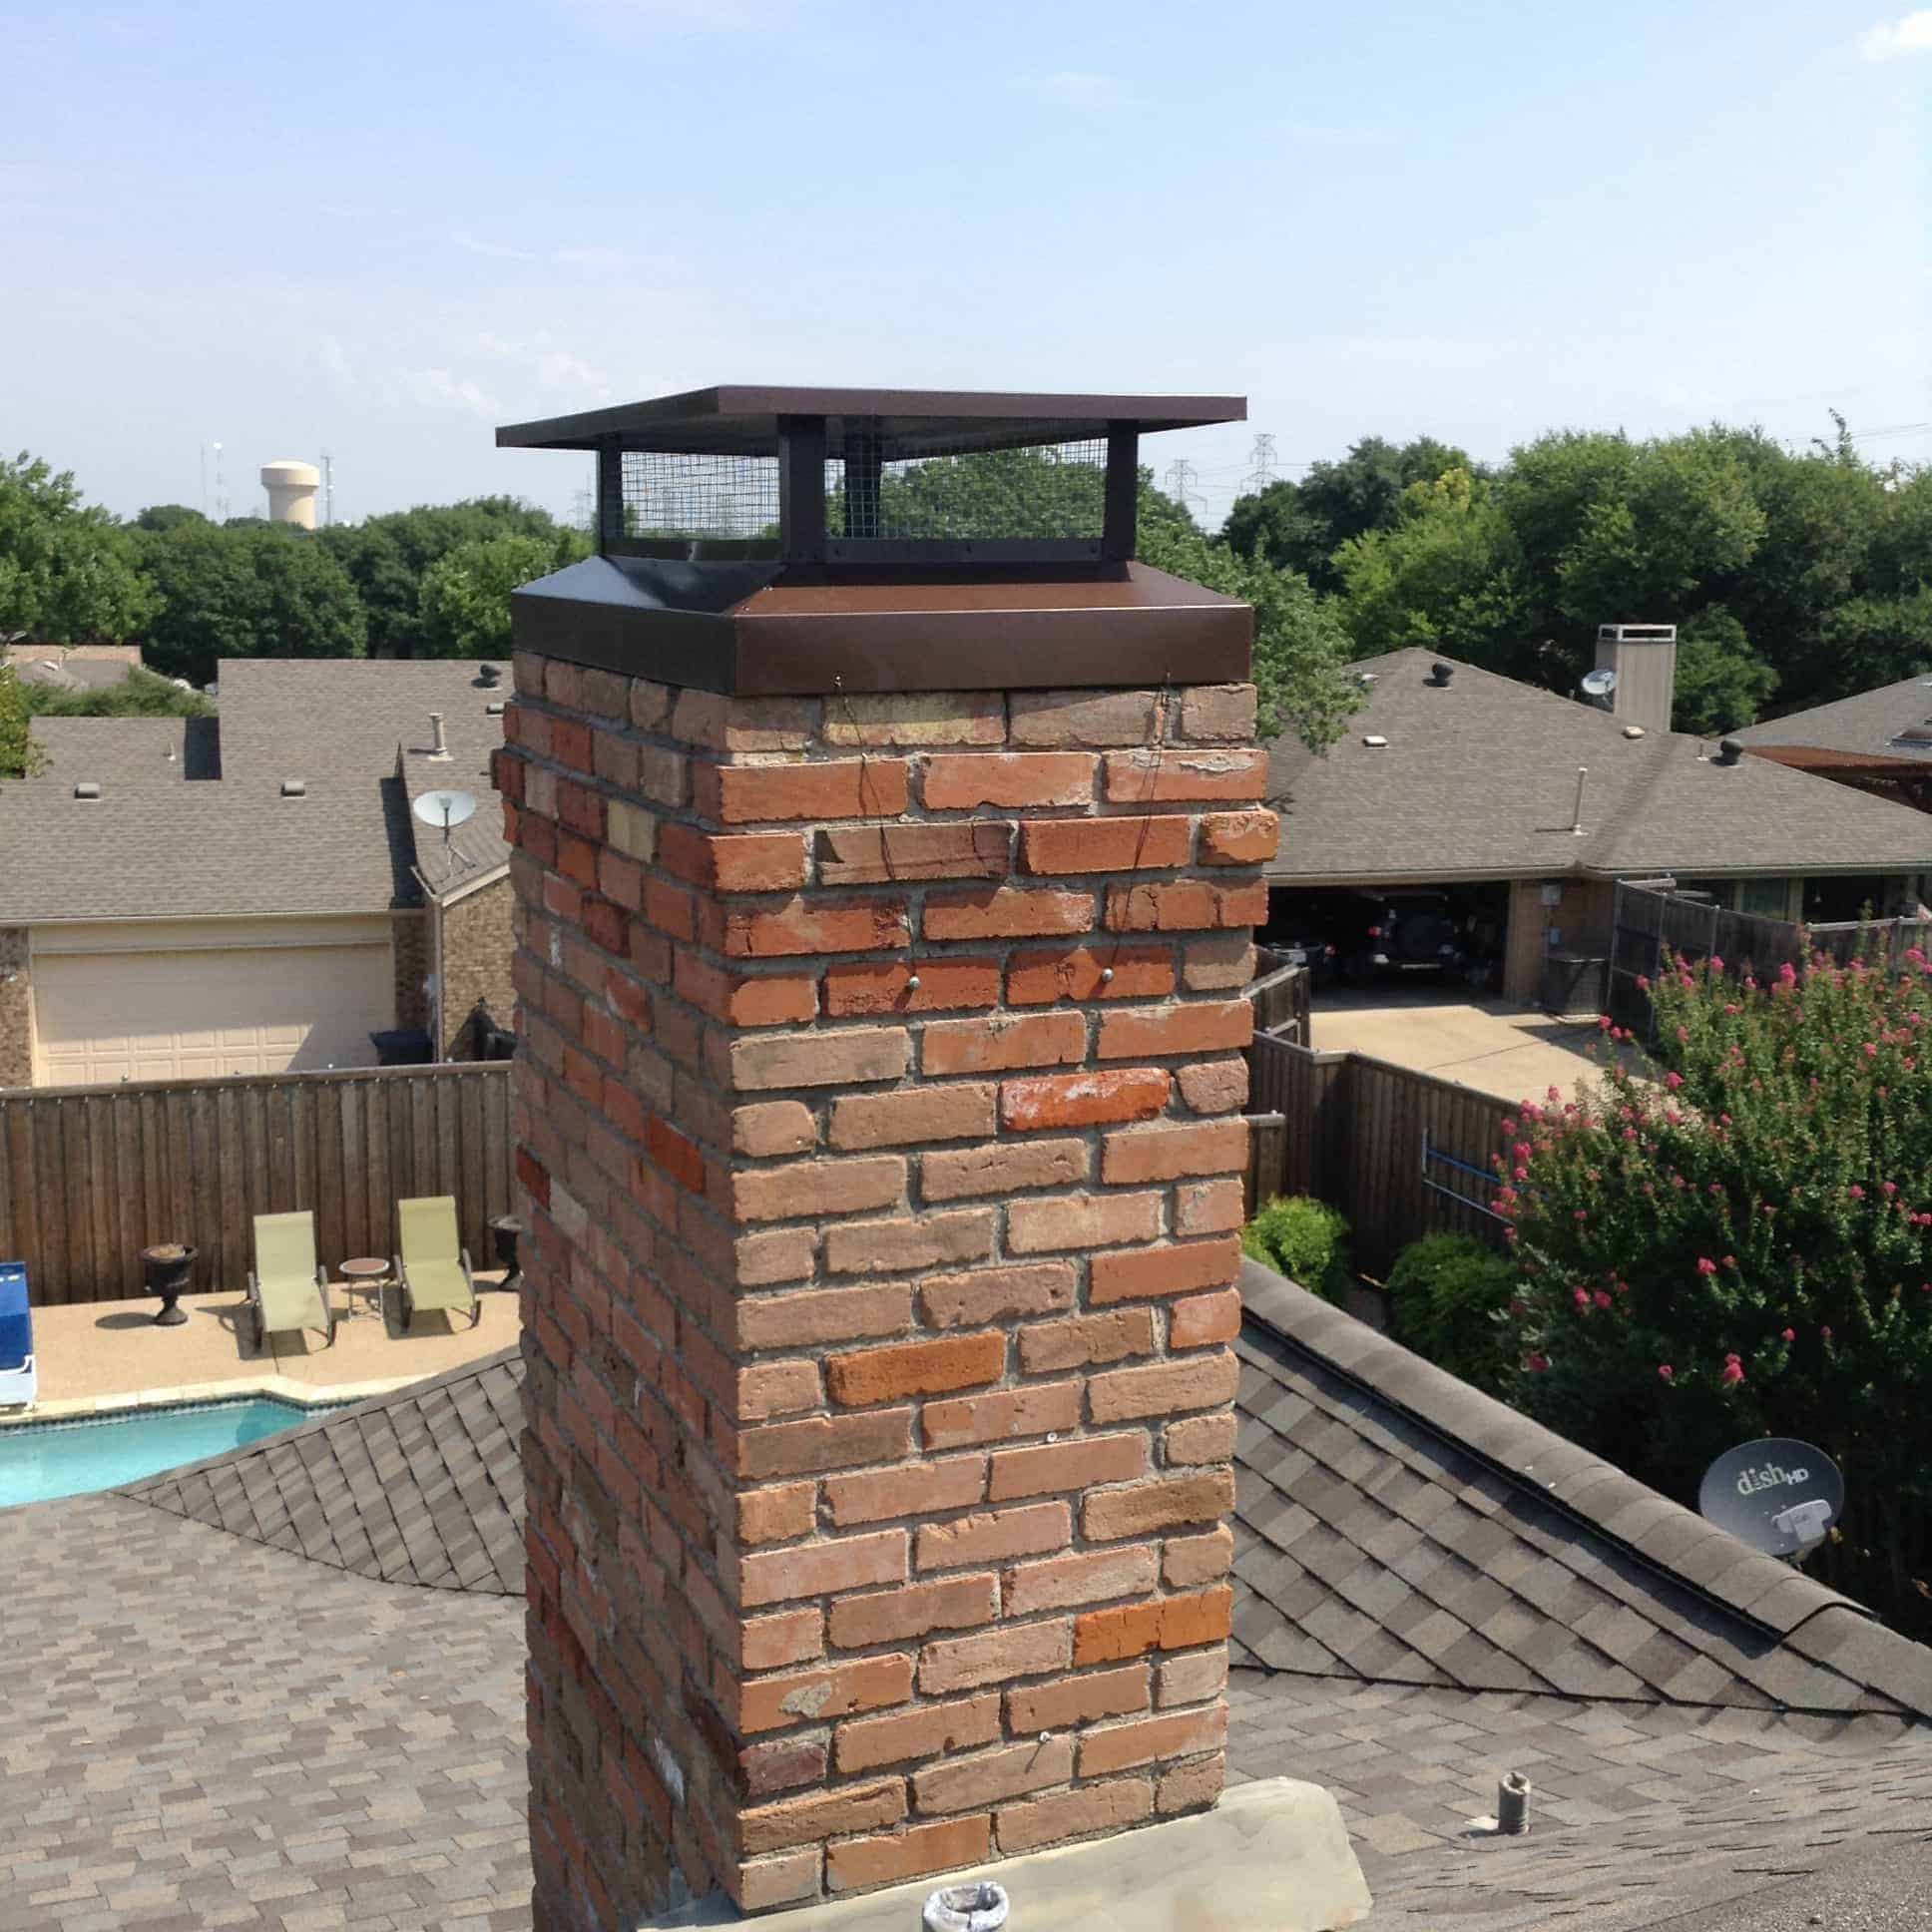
{"points": [[295, 787], [86, 789]]}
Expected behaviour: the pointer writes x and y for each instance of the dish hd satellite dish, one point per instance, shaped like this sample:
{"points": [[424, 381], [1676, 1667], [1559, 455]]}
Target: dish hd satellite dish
{"points": [[447, 809], [1598, 685], [1777, 1495]]}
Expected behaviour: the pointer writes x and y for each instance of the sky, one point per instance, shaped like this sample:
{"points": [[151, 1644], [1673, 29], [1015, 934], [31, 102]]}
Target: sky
{"points": [[380, 231]]}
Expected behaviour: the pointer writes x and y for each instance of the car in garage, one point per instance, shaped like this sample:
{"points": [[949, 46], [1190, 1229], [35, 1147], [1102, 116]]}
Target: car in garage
{"points": [[1388, 930]]}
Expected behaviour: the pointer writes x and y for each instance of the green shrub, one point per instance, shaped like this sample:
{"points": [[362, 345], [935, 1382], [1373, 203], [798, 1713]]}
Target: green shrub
{"points": [[1305, 1239], [1448, 1298]]}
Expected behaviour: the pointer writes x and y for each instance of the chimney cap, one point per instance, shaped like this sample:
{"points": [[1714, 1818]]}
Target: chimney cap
{"points": [[740, 419]]}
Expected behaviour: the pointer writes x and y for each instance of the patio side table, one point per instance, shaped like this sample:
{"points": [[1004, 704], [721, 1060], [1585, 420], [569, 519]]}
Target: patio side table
{"points": [[366, 1274]]}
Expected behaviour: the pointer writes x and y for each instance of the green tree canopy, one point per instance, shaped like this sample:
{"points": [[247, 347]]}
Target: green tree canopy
{"points": [[246, 590], [140, 693], [18, 753], [466, 592], [68, 573]]}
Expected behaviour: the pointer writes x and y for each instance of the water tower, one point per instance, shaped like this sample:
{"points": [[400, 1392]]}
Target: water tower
{"points": [[292, 491]]}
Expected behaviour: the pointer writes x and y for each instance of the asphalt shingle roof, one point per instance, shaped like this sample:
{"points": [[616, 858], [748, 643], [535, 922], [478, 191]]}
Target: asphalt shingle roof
{"points": [[1864, 723], [210, 832], [1478, 778]]}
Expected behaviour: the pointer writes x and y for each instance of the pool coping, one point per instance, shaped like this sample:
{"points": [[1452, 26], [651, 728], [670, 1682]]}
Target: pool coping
{"points": [[307, 1395]]}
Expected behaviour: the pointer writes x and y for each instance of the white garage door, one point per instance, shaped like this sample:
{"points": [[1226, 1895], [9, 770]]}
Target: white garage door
{"points": [[204, 1014]]}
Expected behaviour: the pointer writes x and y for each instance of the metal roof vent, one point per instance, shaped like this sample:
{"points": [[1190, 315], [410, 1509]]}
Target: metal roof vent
{"points": [[86, 789], [495, 708], [1633, 731], [295, 787], [1729, 751], [440, 747], [1365, 678], [1374, 740], [489, 676], [1440, 673]]}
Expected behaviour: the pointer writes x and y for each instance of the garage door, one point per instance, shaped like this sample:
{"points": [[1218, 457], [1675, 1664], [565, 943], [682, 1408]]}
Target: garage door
{"points": [[204, 1014]]}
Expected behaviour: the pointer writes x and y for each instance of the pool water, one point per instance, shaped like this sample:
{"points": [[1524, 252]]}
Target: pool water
{"points": [[41, 1460]]}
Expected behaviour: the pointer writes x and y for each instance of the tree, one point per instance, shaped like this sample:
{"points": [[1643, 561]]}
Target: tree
{"points": [[139, 694], [166, 516], [68, 574], [386, 557], [1721, 683], [1744, 1248], [466, 592], [247, 591], [19, 754]]}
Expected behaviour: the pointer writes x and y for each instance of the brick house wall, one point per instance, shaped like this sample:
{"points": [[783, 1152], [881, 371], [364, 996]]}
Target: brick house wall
{"points": [[477, 945], [409, 948], [879, 1112], [16, 1009]]}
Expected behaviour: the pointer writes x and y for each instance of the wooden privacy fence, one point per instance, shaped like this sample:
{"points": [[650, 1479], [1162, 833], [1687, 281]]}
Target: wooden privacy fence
{"points": [[90, 1175], [1401, 1153]]}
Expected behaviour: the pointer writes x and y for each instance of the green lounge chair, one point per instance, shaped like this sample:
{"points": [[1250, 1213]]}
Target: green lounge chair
{"points": [[433, 1269], [288, 1287]]}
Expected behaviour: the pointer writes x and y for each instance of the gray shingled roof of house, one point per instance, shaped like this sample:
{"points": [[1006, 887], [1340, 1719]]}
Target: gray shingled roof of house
{"points": [[209, 833], [1864, 723], [1478, 779]]}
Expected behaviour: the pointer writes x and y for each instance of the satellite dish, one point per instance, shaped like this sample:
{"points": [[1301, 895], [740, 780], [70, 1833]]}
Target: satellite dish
{"points": [[1777, 1495], [444, 808], [1598, 685]]}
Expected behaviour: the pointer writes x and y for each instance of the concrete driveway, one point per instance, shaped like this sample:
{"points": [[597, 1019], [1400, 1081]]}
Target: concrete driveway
{"points": [[1514, 1051]]}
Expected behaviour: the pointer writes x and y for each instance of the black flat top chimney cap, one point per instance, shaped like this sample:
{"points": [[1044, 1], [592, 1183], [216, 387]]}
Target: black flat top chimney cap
{"points": [[740, 419]]}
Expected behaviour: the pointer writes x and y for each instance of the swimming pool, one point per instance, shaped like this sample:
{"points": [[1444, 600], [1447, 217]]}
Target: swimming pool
{"points": [[42, 1460]]}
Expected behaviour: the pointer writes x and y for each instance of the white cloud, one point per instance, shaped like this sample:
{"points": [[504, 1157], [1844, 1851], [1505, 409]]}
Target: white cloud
{"points": [[1898, 39], [438, 389]]}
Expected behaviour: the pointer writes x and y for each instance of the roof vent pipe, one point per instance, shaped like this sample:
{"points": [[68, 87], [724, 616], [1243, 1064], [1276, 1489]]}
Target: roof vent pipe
{"points": [[439, 749], [1440, 673], [1729, 751], [1576, 819], [488, 675]]}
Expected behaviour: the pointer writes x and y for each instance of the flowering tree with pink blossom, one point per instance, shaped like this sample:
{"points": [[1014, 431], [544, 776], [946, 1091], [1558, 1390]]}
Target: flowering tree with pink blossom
{"points": [[1743, 1247]]}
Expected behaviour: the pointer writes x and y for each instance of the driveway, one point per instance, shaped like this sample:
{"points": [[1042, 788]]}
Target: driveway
{"points": [[1514, 1051]]}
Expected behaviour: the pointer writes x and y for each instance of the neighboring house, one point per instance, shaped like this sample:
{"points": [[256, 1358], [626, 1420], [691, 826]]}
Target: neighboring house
{"points": [[1876, 741], [251, 893], [1458, 777], [71, 667]]}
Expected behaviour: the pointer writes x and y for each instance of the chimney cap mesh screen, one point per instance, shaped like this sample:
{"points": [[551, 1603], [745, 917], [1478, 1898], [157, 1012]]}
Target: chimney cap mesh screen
{"points": [[938, 489]]}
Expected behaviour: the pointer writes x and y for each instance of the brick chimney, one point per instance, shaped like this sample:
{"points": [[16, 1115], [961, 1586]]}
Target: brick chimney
{"points": [[878, 1104]]}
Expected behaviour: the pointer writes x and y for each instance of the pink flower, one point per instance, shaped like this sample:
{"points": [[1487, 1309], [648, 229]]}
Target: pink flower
{"points": [[1508, 1129], [1730, 1261], [1674, 1081], [1825, 1328], [1717, 964], [1705, 1265], [1643, 983], [1536, 1364], [1889, 1188], [1601, 1298], [1787, 975], [1602, 1022], [1683, 1036], [1664, 1369], [1791, 1335], [1871, 1052], [1855, 1191], [1733, 1370]]}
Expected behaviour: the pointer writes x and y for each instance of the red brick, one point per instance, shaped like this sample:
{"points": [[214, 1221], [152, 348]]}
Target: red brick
{"points": [[812, 1697], [723, 723], [1085, 1099], [740, 999], [918, 718], [996, 1535], [885, 1616], [803, 925], [1085, 1576], [1162, 1388], [895, 1246], [1192, 1678], [1165, 1503], [1174, 1153], [1144, 1741], [995, 1655], [1126, 844], [774, 1127], [1184, 906], [1190, 1560], [1085, 1339], [998, 1418], [867, 1743], [815, 1315], [1003, 1168], [672, 909], [778, 1254], [820, 1569], [733, 862], [1066, 1466], [960, 1784], [827, 1814], [1214, 1085], [1217, 713], [915, 1489], [1221, 962], [745, 795], [778, 1388], [914, 1114], [1189, 1787], [996, 1293], [676, 1155], [821, 1186], [1204, 1318], [1084, 717], [1239, 837], [1001, 1042], [1077, 1699], [1041, 1226], [916, 1368], [869, 986], [1075, 973], [827, 1058], [1006, 912], [778, 1514], [922, 1848], [978, 848], [1091, 1810], [1170, 1624], [1146, 777], [824, 1442], [1179, 1268], [1201, 1025], [1200, 1439], [785, 1636], [1007, 779]]}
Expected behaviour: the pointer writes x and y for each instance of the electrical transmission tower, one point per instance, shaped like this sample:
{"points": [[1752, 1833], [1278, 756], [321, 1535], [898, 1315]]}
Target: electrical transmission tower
{"points": [[1261, 466], [1180, 482]]}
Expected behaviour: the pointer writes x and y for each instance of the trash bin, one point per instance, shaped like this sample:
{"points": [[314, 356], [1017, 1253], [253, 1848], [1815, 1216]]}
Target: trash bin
{"points": [[402, 1047]]}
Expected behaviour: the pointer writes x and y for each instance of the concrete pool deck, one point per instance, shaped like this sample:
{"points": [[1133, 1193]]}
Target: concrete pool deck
{"points": [[106, 1355]]}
